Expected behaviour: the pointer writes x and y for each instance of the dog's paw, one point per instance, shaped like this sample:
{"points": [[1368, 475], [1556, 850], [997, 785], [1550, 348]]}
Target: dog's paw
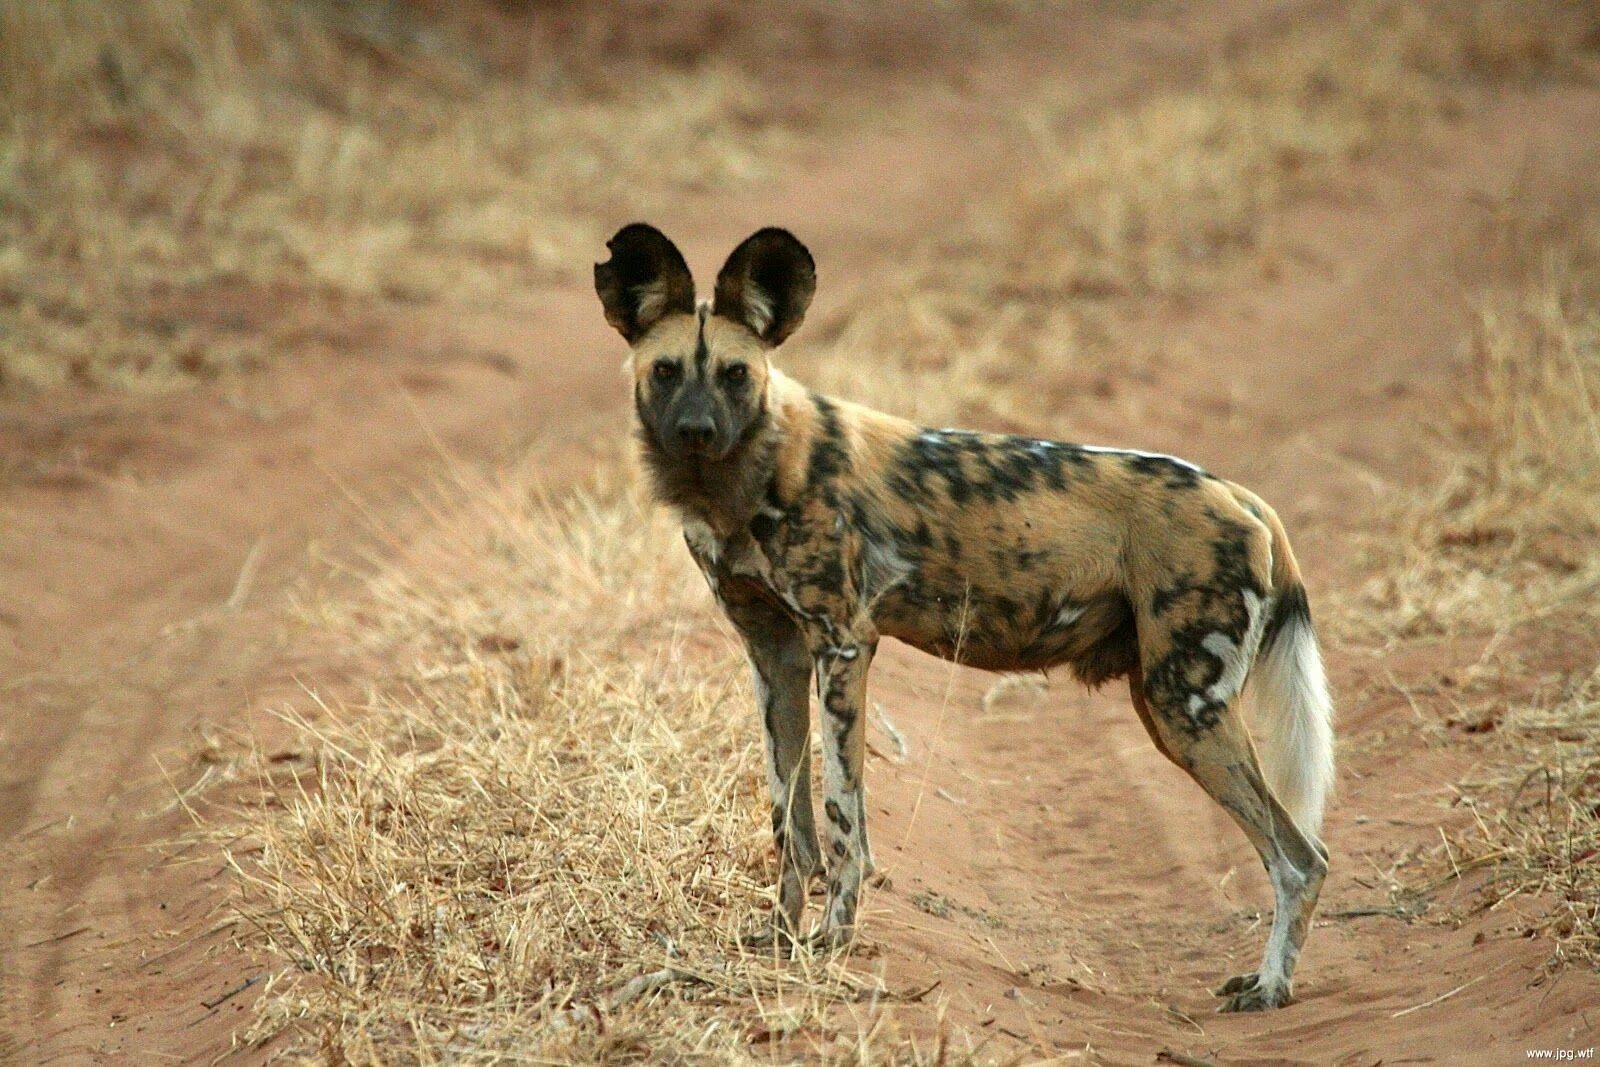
{"points": [[828, 937], [1247, 992], [769, 935]]}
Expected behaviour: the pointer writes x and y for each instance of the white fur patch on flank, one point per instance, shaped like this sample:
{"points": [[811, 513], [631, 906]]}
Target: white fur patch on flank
{"points": [[884, 567], [1070, 614], [1235, 657]]}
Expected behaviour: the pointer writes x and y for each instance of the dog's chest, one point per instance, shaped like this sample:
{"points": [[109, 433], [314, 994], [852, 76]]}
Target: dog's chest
{"points": [[740, 568]]}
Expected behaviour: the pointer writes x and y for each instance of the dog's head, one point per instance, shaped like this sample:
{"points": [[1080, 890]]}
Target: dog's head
{"points": [[701, 374]]}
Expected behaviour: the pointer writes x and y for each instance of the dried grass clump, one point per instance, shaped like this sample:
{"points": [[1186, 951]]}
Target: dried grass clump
{"points": [[1536, 826], [1509, 535], [1159, 201], [1506, 545], [153, 149], [598, 573], [1154, 200], [542, 841]]}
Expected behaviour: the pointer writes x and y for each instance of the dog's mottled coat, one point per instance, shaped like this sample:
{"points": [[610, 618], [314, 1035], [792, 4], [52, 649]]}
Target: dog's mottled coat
{"points": [[822, 525]]}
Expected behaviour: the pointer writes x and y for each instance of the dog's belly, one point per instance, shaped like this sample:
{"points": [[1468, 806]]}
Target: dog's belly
{"points": [[1015, 629]]}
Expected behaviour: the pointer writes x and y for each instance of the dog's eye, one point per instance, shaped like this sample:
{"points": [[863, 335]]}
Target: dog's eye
{"points": [[666, 370], [735, 373]]}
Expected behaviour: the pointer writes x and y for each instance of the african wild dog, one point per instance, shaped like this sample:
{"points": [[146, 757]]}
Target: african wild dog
{"points": [[822, 525]]}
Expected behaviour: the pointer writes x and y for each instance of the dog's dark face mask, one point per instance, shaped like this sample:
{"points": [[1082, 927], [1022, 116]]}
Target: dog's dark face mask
{"points": [[701, 374], [700, 386]]}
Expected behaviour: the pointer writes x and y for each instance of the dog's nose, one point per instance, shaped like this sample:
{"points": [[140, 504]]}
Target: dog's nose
{"points": [[697, 431]]}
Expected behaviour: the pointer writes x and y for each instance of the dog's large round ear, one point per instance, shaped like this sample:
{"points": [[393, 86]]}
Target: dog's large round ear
{"points": [[645, 278], [767, 284]]}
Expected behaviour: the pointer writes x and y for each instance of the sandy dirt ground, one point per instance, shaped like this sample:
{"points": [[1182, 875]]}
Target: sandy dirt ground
{"points": [[1067, 889]]}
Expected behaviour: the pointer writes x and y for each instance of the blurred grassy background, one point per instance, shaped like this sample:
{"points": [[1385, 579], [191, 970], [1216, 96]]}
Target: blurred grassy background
{"points": [[156, 151], [177, 174]]}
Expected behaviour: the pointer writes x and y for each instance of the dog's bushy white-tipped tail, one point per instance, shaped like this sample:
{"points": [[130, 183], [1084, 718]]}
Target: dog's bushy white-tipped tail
{"points": [[1292, 713]]}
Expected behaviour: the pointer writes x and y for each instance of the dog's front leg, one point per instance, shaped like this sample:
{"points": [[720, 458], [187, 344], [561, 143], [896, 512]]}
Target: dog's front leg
{"points": [[842, 665], [780, 661]]}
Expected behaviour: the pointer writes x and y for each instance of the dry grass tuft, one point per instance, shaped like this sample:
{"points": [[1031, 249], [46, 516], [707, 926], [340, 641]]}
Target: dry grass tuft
{"points": [[1160, 201], [543, 841], [1536, 826], [159, 148], [1504, 546], [1508, 535]]}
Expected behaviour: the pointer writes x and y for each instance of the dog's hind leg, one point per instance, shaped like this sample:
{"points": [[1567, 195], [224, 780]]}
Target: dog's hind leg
{"points": [[1142, 705], [1189, 693]]}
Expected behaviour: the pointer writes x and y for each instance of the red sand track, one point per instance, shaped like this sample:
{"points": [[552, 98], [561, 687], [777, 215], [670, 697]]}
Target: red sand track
{"points": [[1093, 893]]}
